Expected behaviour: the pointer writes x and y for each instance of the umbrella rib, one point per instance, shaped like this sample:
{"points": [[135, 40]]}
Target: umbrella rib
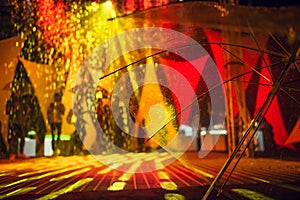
{"points": [[135, 62], [290, 88], [217, 43], [260, 50], [290, 96], [198, 98], [246, 64], [292, 81], [253, 83], [244, 47], [279, 44], [257, 119]]}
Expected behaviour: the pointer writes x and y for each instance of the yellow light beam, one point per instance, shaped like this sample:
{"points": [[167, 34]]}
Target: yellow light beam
{"points": [[40, 171], [66, 189], [163, 158], [120, 185], [117, 186], [17, 192], [151, 157], [108, 169], [249, 194], [115, 158], [163, 175], [198, 171], [39, 177], [13, 183], [136, 159], [104, 171], [168, 185], [171, 196], [55, 172], [5, 174], [126, 176], [71, 174]]}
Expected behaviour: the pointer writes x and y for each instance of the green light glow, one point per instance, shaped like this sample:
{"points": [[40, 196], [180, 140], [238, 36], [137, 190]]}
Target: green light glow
{"points": [[249, 194], [62, 137]]}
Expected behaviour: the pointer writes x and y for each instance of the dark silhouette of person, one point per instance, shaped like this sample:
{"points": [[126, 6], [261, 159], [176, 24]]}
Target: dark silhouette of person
{"points": [[268, 138], [18, 112], [54, 113], [3, 149]]}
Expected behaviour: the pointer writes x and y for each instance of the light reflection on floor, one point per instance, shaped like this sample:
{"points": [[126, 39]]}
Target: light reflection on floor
{"points": [[56, 177], [53, 176]]}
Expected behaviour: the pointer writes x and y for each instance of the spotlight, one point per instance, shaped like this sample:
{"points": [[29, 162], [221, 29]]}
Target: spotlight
{"points": [[108, 4]]}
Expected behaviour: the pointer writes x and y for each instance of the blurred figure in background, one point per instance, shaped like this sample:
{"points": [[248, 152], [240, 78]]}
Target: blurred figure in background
{"points": [[18, 112], [54, 113], [3, 149]]}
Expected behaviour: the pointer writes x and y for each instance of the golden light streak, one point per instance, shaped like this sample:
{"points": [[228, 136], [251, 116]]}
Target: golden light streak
{"points": [[17, 192], [16, 166], [55, 172], [14, 183], [172, 196], [134, 167], [159, 165], [108, 169], [5, 174], [151, 157], [168, 185], [136, 158], [39, 171], [39, 177], [115, 158], [115, 166], [71, 174], [261, 180], [127, 175], [249, 194], [155, 155], [120, 185], [163, 175], [290, 187], [66, 189], [104, 171], [98, 165], [158, 162], [163, 158], [183, 171], [199, 171], [178, 177], [117, 186]]}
